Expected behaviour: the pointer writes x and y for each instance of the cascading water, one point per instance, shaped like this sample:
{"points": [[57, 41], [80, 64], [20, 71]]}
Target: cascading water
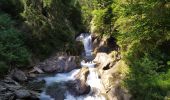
{"points": [[87, 42], [93, 79]]}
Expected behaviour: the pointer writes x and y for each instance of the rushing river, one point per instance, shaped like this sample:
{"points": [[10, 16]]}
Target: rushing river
{"points": [[93, 79]]}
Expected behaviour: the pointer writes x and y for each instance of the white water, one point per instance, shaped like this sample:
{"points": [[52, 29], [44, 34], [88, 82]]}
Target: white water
{"points": [[93, 78], [62, 77], [87, 42]]}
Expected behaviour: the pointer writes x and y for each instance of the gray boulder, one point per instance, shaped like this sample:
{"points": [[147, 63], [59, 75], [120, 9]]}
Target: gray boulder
{"points": [[78, 87], [21, 94], [56, 91], [18, 75], [59, 64]]}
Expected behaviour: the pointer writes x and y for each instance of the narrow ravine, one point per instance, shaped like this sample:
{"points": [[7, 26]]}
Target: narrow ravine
{"points": [[93, 79]]}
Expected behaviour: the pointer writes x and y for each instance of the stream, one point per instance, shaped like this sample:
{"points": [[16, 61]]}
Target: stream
{"points": [[93, 79]]}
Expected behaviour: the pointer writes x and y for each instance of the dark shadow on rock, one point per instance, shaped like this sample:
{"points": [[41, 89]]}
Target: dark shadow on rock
{"points": [[77, 87], [56, 91]]}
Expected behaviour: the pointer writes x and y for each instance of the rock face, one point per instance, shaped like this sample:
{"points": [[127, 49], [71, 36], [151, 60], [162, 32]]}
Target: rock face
{"points": [[112, 70], [59, 64], [104, 44], [104, 60], [18, 75]]}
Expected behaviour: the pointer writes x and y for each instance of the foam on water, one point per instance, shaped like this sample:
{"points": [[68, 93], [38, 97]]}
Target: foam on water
{"points": [[44, 96], [88, 64], [93, 78], [62, 77], [87, 42]]}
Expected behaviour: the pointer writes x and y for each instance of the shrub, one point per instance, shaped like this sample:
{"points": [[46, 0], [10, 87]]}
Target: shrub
{"points": [[12, 49]]}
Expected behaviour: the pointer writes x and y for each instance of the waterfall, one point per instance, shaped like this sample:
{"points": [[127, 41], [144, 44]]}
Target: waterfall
{"points": [[93, 79], [87, 42]]}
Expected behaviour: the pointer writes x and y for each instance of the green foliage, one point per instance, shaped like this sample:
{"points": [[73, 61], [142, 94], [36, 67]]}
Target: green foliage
{"points": [[102, 21], [12, 50], [143, 35], [37, 28], [97, 15], [53, 25], [150, 74], [142, 30], [12, 7], [47, 3]]}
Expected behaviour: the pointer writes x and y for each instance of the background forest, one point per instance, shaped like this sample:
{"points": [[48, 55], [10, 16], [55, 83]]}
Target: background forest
{"points": [[37, 28]]}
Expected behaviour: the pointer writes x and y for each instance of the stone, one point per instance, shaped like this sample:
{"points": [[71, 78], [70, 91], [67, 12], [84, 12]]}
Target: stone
{"points": [[2, 88], [59, 64], [83, 73], [21, 94], [36, 69], [78, 87], [18, 75], [104, 60], [36, 85], [56, 91], [9, 96]]}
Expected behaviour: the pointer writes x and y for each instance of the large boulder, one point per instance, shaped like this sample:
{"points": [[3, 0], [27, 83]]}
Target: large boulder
{"points": [[26, 94], [18, 75], [83, 73], [21, 94], [56, 91], [78, 87], [104, 60], [58, 64]]}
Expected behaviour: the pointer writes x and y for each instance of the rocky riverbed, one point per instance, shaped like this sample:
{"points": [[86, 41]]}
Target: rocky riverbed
{"points": [[62, 77], [27, 85]]}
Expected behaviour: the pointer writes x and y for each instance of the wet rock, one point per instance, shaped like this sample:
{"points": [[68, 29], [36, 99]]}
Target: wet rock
{"points": [[21, 94], [78, 87], [71, 63], [10, 84], [34, 95], [8, 96], [59, 64], [82, 75], [36, 85], [56, 91], [11, 90], [2, 88], [26, 94], [18, 75]]}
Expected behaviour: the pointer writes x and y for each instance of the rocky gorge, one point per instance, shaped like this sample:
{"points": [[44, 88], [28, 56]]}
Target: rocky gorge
{"points": [[74, 81]]}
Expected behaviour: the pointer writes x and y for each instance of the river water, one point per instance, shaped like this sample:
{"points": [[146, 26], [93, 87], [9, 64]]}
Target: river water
{"points": [[93, 79]]}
